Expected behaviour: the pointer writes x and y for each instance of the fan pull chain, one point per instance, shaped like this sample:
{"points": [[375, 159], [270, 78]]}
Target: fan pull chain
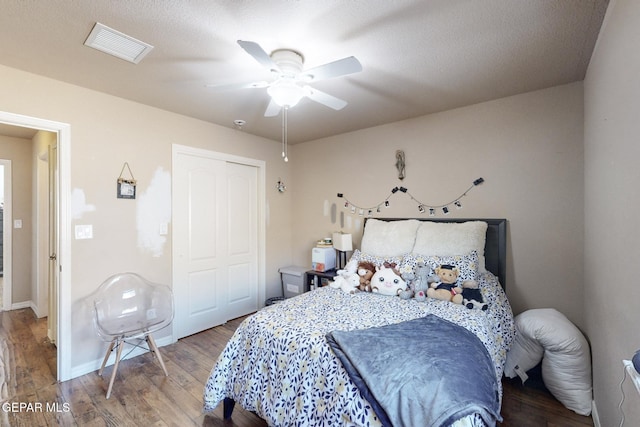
{"points": [[285, 127]]}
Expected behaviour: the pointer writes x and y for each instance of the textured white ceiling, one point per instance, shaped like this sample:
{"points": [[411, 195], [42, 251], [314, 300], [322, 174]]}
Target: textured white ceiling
{"points": [[418, 56]]}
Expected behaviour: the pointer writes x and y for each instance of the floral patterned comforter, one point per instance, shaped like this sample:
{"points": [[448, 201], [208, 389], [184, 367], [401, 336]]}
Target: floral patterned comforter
{"points": [[279, 365]]}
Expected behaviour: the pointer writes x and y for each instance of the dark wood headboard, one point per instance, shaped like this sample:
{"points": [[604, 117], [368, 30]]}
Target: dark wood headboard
{"points": [[495, 250]]}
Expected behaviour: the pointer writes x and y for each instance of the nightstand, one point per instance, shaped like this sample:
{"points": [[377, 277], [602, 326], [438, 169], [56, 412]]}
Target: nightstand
{"points": [[319, 278]]}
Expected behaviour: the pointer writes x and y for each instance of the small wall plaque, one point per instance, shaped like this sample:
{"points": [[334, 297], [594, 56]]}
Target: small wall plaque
{"points": [[126, 188]]}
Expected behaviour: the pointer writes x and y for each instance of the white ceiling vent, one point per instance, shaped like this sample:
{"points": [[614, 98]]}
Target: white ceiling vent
{"points": [[115, 43]]}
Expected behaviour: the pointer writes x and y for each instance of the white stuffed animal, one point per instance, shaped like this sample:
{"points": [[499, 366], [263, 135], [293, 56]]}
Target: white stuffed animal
{"points": [[386, 281], [349, 269], [348, 283]]}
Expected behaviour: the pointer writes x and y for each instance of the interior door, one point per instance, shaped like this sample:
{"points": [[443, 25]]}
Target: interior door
{"points": [[52, 319], [215, 241], [242, 226]]}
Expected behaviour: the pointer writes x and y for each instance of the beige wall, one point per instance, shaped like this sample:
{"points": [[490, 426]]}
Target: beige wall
{"points": [[612, 202], [19, 151], [106, 132], [528, 148]]}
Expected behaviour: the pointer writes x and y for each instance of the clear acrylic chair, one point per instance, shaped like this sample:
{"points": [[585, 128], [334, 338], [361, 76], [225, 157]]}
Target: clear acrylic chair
{"points": [[128, 309]]}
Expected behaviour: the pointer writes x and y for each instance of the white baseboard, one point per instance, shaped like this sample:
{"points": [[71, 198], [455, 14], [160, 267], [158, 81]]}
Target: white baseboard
{"points": [[86, 368], [594, 414], [21, 305]]}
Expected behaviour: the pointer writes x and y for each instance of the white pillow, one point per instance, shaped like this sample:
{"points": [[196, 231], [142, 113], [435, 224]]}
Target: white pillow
{"points": [[389, 238], [452, 238], [525, 351], [566, 362]]}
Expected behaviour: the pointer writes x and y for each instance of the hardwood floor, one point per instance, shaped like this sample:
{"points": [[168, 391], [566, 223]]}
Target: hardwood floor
{"points": [[143, 396]]}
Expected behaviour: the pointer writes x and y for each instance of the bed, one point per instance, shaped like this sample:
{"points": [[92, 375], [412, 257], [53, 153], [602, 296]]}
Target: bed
{"points": [[328, 357]]}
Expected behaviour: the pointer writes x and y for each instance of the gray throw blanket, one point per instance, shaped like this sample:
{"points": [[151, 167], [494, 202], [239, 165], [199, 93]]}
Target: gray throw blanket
{"points": [[422, 372]]}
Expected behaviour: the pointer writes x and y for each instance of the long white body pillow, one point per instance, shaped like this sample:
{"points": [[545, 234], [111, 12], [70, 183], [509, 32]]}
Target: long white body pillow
{"points": [[547, 335]]}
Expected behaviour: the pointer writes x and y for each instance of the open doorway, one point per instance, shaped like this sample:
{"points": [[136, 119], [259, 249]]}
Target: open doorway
{"points": [[60, 247], [27, 173], [5, 230], [6, 279], [2, 256]]}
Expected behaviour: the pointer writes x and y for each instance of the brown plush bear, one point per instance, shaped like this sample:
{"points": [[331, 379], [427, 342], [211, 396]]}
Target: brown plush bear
{"points": [[365, 270], [446, 289]]}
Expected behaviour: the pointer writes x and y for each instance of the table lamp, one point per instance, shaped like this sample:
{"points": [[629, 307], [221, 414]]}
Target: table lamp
{"points": [[342, 243]]}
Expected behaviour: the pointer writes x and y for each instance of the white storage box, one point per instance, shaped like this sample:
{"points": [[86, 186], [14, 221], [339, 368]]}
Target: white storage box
{"points": [[293, 280], [323, 259]]}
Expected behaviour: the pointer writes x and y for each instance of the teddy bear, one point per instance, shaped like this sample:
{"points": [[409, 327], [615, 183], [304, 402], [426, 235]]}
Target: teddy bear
{"points": [[420, 284], [420, 290], [409, 277], [472, 297], [447, 288], [422, 273], [365, 270], [387, 281], [405, 294]]}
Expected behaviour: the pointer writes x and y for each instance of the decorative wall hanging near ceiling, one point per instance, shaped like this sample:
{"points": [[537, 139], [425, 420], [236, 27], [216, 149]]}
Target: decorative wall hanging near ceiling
{"points": [[400, 164], [422, 207]]}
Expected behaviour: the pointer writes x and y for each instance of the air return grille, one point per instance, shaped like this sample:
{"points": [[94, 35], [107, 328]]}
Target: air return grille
{"points": [[115, 43]]}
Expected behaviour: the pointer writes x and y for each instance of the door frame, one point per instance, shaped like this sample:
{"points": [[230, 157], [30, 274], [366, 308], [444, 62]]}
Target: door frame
{"points": [[63, 131], [7, 230], [177, 149]]}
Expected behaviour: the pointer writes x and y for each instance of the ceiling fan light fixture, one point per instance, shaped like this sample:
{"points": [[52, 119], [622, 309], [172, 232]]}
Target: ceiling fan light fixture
{"points": [[285, 93]]}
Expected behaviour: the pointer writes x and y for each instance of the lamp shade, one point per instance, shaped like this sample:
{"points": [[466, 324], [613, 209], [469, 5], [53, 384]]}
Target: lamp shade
{"points": [[342, 242]]}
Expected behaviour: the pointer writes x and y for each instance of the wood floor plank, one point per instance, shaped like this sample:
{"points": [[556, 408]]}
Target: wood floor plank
{"points": [[138, 408], [143, 396], [110, 410], [56, 411], [83, 409]]}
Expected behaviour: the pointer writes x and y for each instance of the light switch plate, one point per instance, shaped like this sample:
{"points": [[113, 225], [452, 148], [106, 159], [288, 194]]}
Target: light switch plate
{"points": [[17, 223], [164, 229], [84, 231]]}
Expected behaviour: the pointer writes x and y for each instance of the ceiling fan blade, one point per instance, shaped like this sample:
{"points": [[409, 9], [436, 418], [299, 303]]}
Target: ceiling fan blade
{"points": [[273, 109], [254, 49], [324, 98], [338, 68], [233, 86]]}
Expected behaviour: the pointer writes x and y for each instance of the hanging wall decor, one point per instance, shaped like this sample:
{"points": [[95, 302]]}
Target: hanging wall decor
{"points": [[400, 164], [280, 186], [432, 210], [126, 187]]}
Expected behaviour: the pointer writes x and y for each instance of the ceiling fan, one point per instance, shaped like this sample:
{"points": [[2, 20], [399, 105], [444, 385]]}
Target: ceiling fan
{"points": [[292, 81]]}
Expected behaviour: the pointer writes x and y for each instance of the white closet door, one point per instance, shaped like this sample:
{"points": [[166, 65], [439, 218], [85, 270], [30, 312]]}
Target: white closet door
{"points": [[215, 238], [242, 248]]}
